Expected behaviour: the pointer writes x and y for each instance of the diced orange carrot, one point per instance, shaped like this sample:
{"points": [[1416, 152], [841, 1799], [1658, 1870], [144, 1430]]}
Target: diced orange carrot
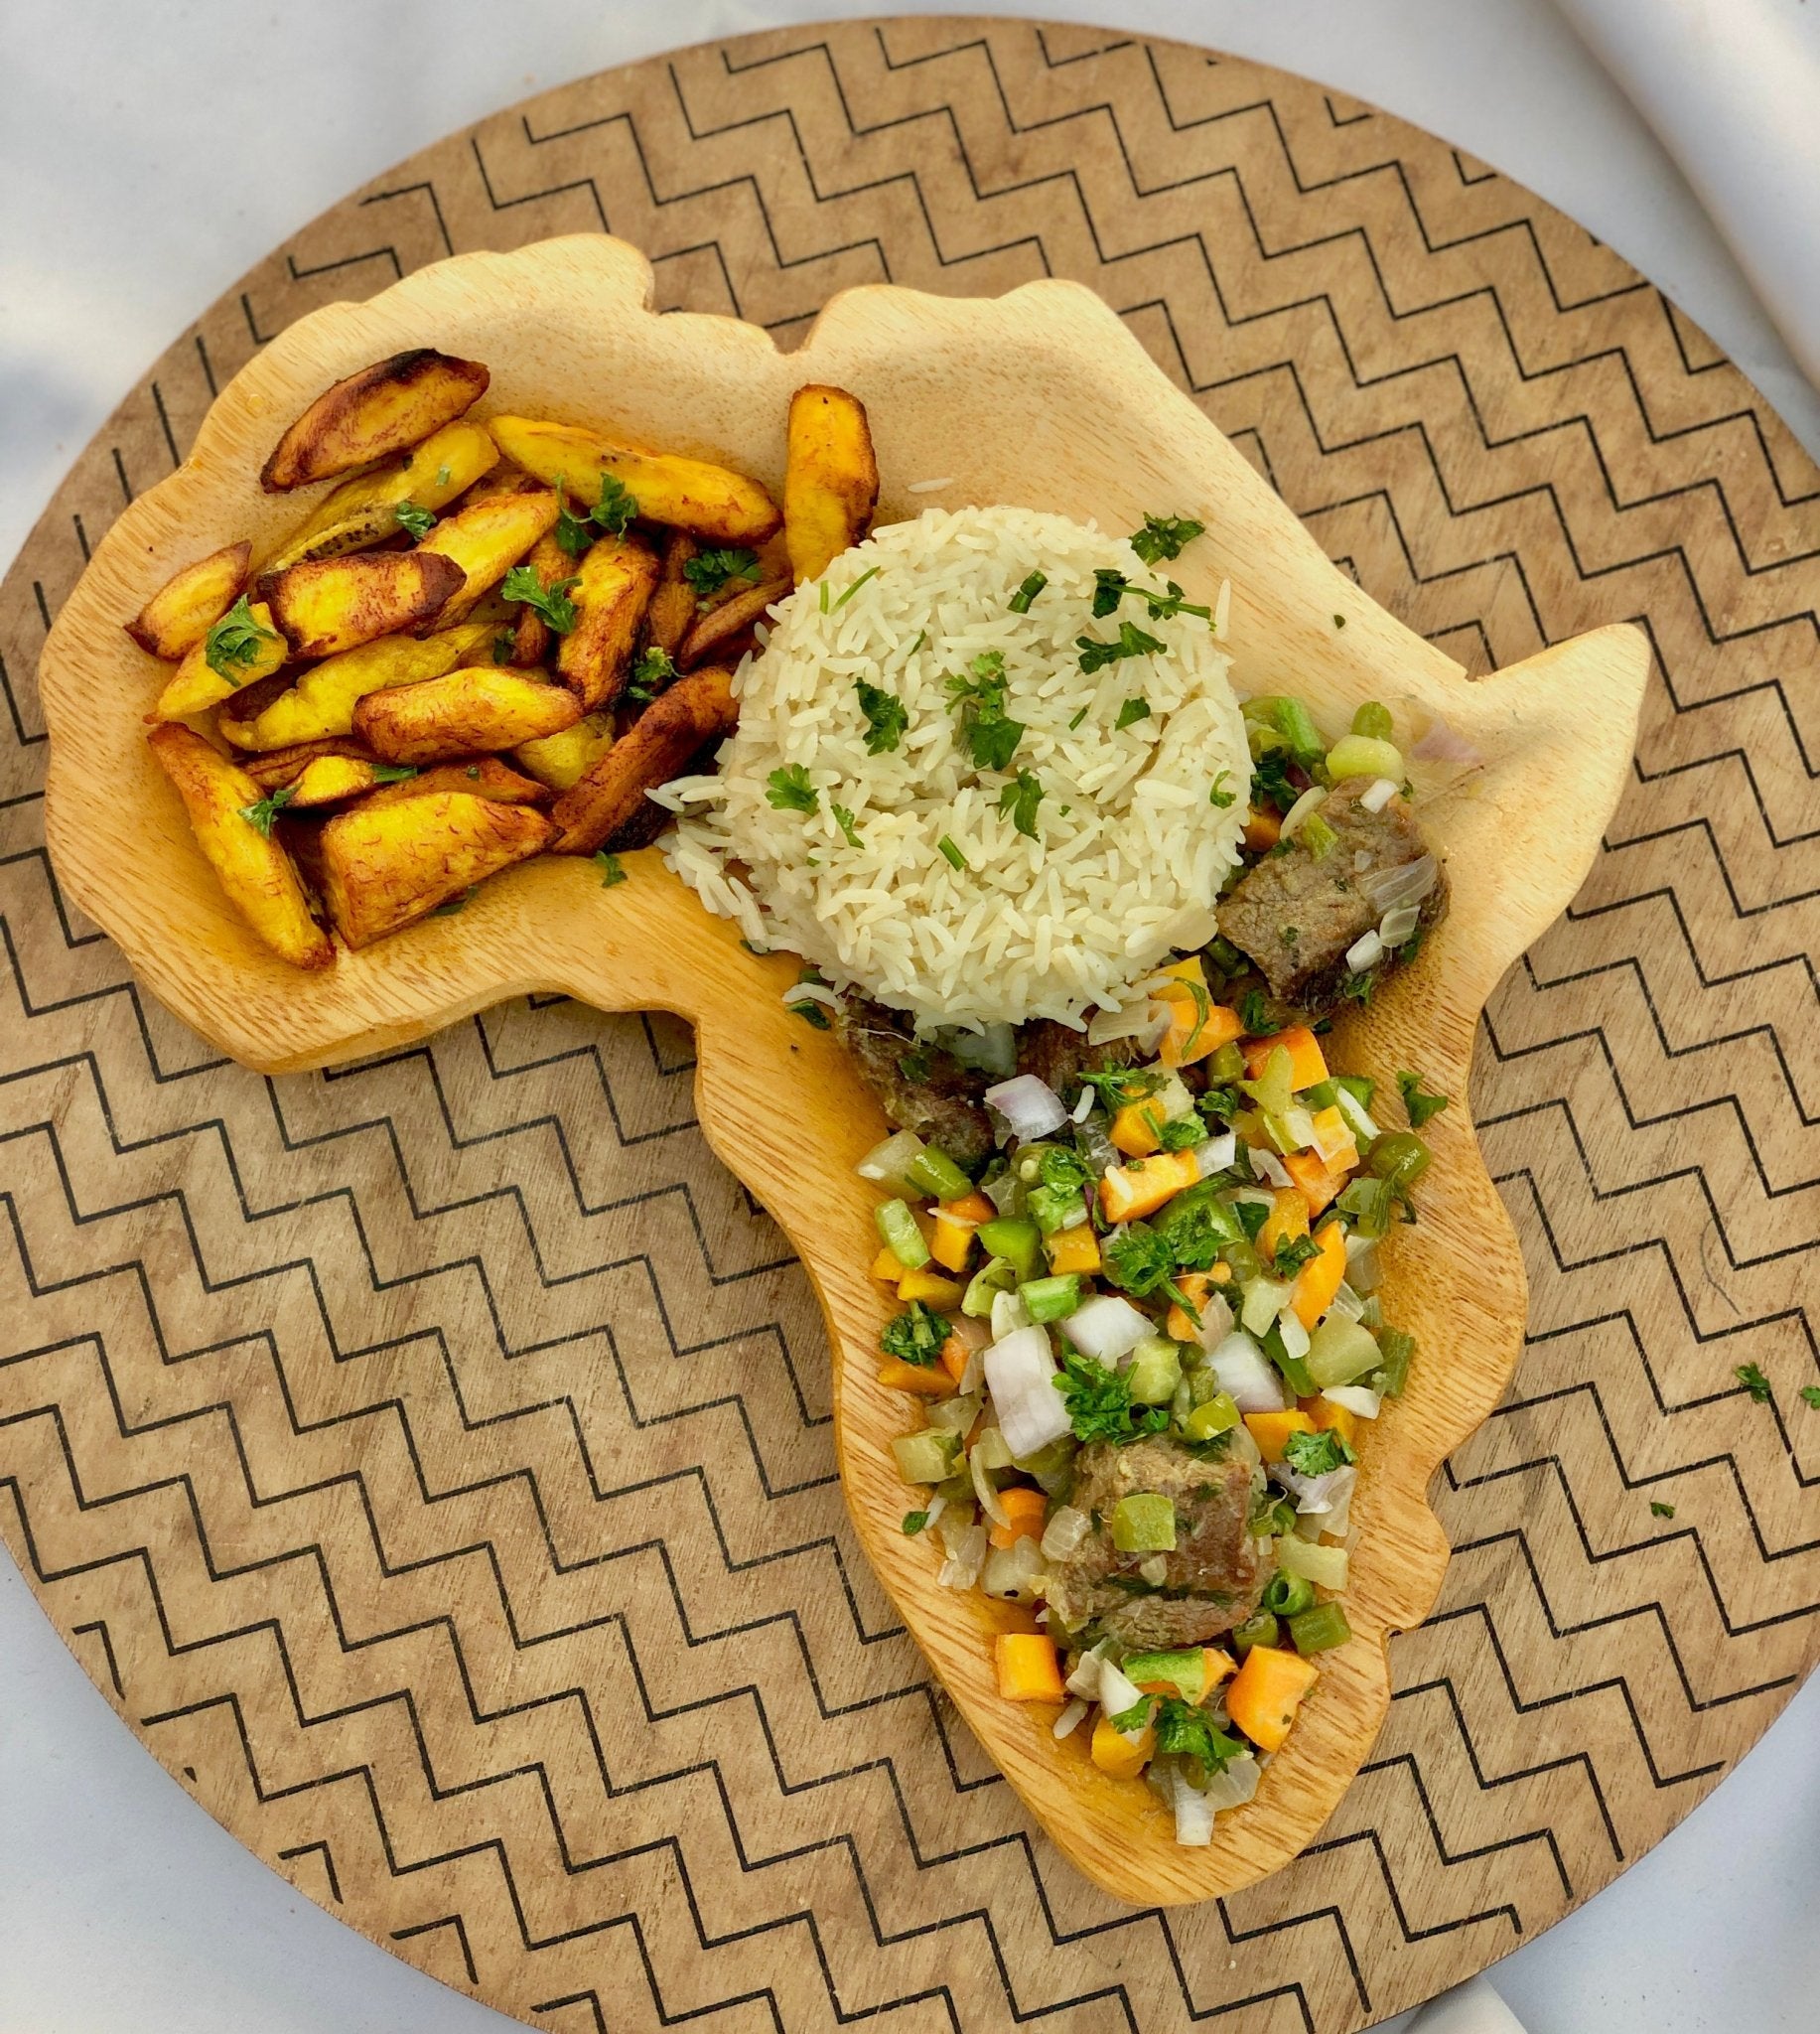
{"points": [[1198, 1026], [928, 1381], [931, 1288], [1129, 1191], [1340, 1419], [1114, 1751], [1320, 1187], [1271, 1430], [1308, 1068], [1333, 1137], [955, 1356], [1221, 1274], [1137, 1129], [1321, 1277], [952, 1243], [1024, 1508], [885, 1267], [1220, 1666], [1214, 1668], [1028, 1669], [1288, 1217], [1192, 1286], [1075, 1249], [1266, 1693], [971, 1208], [1263, 828]]}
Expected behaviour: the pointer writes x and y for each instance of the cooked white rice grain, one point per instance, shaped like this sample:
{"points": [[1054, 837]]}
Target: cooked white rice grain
{"points": [[1130, 853]]}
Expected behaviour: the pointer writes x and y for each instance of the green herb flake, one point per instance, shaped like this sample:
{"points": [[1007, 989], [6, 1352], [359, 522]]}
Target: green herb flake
{"points": [[455, 904], [233, 642], [1133, 712], [953, 854], [887, 717], [521, 584], [1417, 1101], [1292, 1252], [418, 522], [393, 773], [617, 509], [260, 814], [1187, 1732], [1254, 1014], [1099, 1401], [1317, 1453], [1021, 797], [1079, 718], [812, 1012], [853, 587], [609, 867], [709, 571], [504, 643], [1661, 1509], [1165, 537], [1754, 1382], [1031, 585], [1220, 798], [843, 818], [913, 1522], [990, 735], [791, 790], [1132, 641], [652, 672], [915, 1336], [1810, 1397]]}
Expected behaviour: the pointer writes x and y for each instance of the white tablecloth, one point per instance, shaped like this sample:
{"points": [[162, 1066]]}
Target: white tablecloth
{"points": [[150, 153]]}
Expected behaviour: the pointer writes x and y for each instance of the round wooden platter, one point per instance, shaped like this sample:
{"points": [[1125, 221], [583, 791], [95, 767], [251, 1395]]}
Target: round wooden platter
{"points": [[429, 1458]]}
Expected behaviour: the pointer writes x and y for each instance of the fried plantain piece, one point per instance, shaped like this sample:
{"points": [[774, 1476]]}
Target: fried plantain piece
{"points": [[370, 414], [485, 537], [383, 865], [466, 711], [239, 651], [716, 631], [321, 701], [330, 780], [559, 759], [327, 605], [830, 478], [688, 493], [253, 870], [618, 575], [271, 772], [190, 603], [363, 511], [531, 634], [673, 604], [607, 807], [479, 776]]}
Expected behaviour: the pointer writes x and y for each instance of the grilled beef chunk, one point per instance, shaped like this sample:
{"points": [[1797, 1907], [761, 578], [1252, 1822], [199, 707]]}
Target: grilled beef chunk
{"points": [[1213, 1577], [1295, 916], [921, 1088]]}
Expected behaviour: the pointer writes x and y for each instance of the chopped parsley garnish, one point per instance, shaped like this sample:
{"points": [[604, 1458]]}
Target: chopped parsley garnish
{"points": [[853, 586], [913, 1522], [1021, 797], [1755, 1383], [915, 1336], [649, 675], [709, 571], [233, 642], [791, 790], [1182, 1134], [455, 904], [572, 532], [442, 474], [1810, 1397], [1133, 712], [1064, 1171], [990, 735], [1292, 1252], [1318, 1453], [613, 512], [1254, 1013], [843, 818], [419, 521], [1079, 718], [1032, 584], [393, 773], [1136, 1718], [810, 1010], [1116, 1085], [1165, 536], [1661, 1509], [1270, 785], [1190, 1733], [504, 643], [953, 854], [609, 866], [1143, 1261], [1132, 641], [1220, 798], [886, 718], [1110, 587], [261, 813], [522, 585], [1420, 1103], [1099, 1402]]}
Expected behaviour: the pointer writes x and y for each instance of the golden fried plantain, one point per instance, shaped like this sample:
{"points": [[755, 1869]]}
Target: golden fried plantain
{"points": [[372, 415], [462, 712], [559, 759], [618, 576], [190, 603], [479, 777], [673, 604], [830, 478], [485, 537], [329, 779], [321, 701], [716, 631], [607, 807], [363, 511], [531, 635], [253, 870], [707, 500], [284, 766], [329, 605], [239, 716], [384, 864], [238, 652]]}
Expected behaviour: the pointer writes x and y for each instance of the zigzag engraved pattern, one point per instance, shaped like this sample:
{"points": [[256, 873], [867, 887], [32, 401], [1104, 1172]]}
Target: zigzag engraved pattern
{"points": [[428, 1460]]}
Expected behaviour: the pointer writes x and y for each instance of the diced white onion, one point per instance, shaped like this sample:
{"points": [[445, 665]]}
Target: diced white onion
{"points": [[1299, 1124], [1407, 883], [1441, 744], [1310, 801], [1246, 1375], [886, 1161], [1268, 1166], [937, 1505], [961, 1569], [1155, 1570], [1317, 1495], [1347, 1303], [983, 1487], [1215, 1154], [1085, 1681], [1262, 1302], [1064, 1531], [1397, 925], [1365, 951], [1362, 1271], [1234, 1784], [1142, 1019], [1326, 1566], [1294, 1336], [1194, 1810], [1356, 1398], [1083, 1107], [991, 1048], [1014, 1572], [812, 993], [1020, 1371], [956, 1416], [1215, 1321], [1115, 1694], [1064, 1724], [1358, 1117], [1377, 795], [1009, 1314], [1031, 1106], [1106, 1327]]}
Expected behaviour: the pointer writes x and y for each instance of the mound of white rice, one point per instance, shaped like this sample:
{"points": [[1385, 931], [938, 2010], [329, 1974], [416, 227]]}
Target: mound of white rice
{"points": [[1129, 850]]}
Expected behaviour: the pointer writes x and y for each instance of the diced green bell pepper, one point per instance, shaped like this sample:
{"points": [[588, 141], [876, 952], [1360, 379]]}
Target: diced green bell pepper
{"points": [[1215, 1415], [1052, 1298], [903, 1238], [992, 1278], [934, 1172], [1154, 1371], [1145, 1523], [1186, 1670], [1016, 1241], [1394, 1350], [926, 1457], [1255, 1631]]}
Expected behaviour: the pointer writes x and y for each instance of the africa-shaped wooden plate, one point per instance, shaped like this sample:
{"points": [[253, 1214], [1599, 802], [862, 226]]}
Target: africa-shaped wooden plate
{"points": [[1040, 399]]}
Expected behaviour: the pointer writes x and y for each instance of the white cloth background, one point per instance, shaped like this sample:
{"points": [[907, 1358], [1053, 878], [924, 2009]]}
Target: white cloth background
{"points": [[151, 152]]}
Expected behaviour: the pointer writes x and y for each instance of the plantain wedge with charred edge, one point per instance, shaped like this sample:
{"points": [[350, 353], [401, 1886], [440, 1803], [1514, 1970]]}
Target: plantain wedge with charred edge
{"points": [[830, 478], [383, 865], [189, 604], [466, 711], [608, 806], [327, 605], [386, 408]]}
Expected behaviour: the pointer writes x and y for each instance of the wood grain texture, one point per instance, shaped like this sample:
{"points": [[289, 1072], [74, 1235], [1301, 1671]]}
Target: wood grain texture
{"points": [[1041, 397], [470, 1359]]}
